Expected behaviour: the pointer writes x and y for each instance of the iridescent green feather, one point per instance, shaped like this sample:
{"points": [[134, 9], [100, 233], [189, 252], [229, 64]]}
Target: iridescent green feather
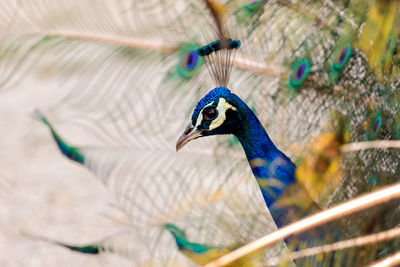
{"points": [[70, 152], [202, 254], [340, 58], [374, 125], [189, 62], [247, 9], [298, 74]]}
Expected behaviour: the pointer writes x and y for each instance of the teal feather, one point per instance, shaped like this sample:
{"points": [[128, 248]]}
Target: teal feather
{"points": [[183, 243], [70, 152], [202, 254], [190, 62], [341, 56], [374, 125], [298, 73], [248, 10]]}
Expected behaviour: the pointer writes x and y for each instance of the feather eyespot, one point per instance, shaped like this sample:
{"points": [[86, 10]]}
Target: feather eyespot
{"points": [[299, 72], [189, 62], [374, 126], [342, 57], [210, 113]]}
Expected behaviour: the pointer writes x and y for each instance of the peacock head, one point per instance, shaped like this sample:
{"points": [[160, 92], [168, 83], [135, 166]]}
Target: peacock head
{"points": [[214, 114]]}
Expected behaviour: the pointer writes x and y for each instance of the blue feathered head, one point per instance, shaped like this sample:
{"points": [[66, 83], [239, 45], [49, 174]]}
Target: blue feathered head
{"points": [[214, 114]]}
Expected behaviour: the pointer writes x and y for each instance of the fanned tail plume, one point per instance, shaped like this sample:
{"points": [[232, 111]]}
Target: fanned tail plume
{"points": [[305, 114]]}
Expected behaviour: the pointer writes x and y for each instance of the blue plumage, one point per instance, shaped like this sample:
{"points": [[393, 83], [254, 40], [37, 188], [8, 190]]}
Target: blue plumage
{"points": [[222, 112], [274, 171], [267, 162], [210, 97]]}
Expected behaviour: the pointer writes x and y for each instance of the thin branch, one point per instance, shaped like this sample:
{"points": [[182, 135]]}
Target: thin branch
{"points": [[391, 260], [349, 207], [384, 144], [355, 242]]}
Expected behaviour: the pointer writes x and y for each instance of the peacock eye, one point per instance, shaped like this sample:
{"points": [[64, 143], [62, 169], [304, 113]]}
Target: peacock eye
{"points": [[210, 113], [191, 60]]}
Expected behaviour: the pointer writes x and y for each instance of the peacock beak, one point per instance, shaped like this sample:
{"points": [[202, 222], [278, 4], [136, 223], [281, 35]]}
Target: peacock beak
{"points": [[188, 135]]}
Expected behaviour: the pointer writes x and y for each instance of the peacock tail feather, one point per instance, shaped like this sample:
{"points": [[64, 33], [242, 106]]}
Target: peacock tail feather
{"points": [[120, 80]]}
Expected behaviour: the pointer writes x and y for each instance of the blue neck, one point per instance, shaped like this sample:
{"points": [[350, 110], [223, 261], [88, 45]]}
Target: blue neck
{"points": [[254, 139], [273, 169]]}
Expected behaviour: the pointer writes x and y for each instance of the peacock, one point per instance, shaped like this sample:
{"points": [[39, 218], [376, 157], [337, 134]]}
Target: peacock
{"points": [[120, 79]]}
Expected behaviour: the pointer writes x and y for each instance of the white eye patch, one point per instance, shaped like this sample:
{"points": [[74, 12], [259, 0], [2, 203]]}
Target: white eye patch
{"points": [[222, 107]]}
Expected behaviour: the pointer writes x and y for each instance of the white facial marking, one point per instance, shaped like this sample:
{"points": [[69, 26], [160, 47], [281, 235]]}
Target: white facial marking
{"points": [[222, 107]]}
